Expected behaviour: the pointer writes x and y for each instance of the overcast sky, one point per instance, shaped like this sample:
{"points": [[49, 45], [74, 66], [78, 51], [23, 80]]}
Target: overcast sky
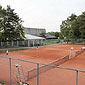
{"points": [[46, 14]]}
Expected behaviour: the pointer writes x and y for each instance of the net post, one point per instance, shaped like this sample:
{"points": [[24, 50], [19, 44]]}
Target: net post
{"points": [[76, 77], [10, 71], [38, 74]]}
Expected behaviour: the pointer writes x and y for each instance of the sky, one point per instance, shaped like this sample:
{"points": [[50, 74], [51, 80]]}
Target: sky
{"points": [[47, 14]]}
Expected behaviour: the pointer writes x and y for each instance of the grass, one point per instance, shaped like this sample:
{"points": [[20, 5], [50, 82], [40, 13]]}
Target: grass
{"points": [[75, 43], [50, 43], [65, 43], [13, 49]]}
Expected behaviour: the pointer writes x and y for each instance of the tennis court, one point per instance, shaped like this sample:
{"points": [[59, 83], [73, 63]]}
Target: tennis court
{"points": [[58, 76], [46, 55]]}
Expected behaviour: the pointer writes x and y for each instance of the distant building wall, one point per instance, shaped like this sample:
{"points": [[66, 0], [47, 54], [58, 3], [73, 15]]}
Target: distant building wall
{"points": [[34, 31]]}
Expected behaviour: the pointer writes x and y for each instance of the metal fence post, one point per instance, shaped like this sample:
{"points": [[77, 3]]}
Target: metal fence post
{"points": [[10, 70], [76, 77], [37, 74]]}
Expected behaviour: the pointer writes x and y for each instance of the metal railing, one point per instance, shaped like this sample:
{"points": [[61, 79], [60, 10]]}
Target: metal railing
{"points": [[38, 68]]}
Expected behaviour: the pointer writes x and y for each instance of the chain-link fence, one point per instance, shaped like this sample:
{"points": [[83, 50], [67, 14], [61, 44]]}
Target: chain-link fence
{"points": [[32, 43], [7, 44], [65, 41], [22, 43], [15, 72], [75, 41]]}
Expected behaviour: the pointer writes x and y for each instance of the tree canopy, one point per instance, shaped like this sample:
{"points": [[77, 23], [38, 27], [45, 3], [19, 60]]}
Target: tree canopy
{"points": [[10, 25], [74, 26], [43, 34], [56, 34]]}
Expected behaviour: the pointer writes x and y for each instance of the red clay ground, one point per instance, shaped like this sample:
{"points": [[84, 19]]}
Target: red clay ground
{"points": [[45, 55], [58, 76]]}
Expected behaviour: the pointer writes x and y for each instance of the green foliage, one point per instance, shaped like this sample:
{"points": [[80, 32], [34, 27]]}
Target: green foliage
{"points": [[75, 29], [10, 24], [61, 36], [81, 20], [65, 27], [56, 34], [74, 26], [52, 41], [43, 34], [0, 34]]}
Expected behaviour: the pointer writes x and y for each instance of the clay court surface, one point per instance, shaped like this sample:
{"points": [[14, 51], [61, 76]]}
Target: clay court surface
{"points": [[47, 55]]}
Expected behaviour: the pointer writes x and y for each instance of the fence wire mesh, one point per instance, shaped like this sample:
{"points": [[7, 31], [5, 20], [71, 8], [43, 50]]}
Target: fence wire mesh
{"points": [[13, 71]]}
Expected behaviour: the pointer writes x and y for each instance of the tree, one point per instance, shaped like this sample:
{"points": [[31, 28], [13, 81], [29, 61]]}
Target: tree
{"points": [[43, 34], [0, 34], [60, 36], [56, 34], [65, 27], [75, 29], [81, 20], [78, 26], [11, 25], [2, 13]]}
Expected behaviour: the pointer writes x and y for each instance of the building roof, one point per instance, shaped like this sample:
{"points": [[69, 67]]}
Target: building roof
{"points": [[32, 37], [49, 36], [34, 31]]}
